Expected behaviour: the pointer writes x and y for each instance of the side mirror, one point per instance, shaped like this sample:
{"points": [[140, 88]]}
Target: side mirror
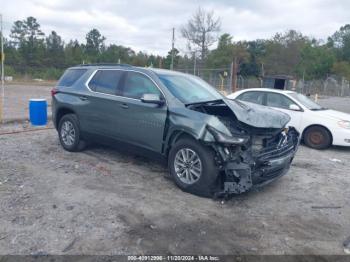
{"points": [[294, 107], [152, 99]]}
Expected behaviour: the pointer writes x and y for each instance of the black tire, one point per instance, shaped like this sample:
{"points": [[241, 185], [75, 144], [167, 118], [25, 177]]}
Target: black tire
{"points": [[207, 183], [317, 137], [77, 144]]}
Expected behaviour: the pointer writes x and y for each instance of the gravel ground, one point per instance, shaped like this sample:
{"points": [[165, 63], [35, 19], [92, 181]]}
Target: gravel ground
{"points": [[17, 100], [108, 201]]}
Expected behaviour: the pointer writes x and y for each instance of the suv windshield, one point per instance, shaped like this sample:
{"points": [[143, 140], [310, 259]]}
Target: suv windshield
{"points": [[189, 89], [308, 103]]}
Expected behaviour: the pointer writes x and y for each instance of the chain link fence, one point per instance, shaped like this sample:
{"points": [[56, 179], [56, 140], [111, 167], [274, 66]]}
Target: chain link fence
{"points": [[331, 86], [221, 79]]}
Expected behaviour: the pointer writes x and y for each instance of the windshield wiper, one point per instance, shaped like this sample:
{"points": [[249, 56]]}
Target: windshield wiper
{"points": [[213, 102], [318, 109]]}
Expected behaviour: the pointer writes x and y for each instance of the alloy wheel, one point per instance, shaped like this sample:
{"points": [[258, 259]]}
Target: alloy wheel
{"points": [[68, 133], [188, 166]]}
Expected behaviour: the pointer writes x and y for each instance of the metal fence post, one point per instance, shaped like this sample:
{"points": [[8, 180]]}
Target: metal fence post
{"points": [[2, 106]]}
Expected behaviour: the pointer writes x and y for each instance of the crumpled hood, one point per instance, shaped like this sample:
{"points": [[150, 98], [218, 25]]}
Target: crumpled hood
{"points": [[257, 115], [337, 115]]}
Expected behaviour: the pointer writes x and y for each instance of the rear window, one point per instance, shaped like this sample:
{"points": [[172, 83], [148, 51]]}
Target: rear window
{"points": [[71, 76], [106, 81]]}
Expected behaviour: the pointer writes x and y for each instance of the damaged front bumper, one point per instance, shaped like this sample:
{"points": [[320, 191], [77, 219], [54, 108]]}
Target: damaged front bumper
{"points": [[243, 168]]}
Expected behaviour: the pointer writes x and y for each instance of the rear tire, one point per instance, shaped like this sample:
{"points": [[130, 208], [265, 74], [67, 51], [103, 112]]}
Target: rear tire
{"points": [[69, 133], [202, 185], [317, 137]]}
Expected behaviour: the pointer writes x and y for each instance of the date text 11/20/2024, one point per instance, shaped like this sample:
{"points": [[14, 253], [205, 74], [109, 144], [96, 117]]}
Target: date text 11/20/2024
{"points": [[173, 258]]}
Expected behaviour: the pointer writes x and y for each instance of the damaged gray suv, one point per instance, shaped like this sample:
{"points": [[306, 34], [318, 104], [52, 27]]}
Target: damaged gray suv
{"points": [[214, 146]]}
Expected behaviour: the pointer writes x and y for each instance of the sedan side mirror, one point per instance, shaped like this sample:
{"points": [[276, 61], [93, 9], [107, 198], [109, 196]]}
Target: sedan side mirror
{"points": [[294, 107], [152, 99]]}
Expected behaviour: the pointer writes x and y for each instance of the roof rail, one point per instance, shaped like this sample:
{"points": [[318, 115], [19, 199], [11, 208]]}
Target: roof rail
{"points": [[105, 64]]}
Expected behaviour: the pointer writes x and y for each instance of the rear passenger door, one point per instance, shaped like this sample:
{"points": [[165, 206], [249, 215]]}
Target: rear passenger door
{"points": [[102, 111], [142, 124], [255, 97]]}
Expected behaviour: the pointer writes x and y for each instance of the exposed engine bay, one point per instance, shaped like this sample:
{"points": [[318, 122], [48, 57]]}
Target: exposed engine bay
{"points": [[259, 154]]}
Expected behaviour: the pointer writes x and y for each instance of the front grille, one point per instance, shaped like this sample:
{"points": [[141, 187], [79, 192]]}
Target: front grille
{"points": [[273, 174], [278, 146]]}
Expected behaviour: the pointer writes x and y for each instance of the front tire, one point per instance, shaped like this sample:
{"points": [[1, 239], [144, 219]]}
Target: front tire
{"points": [[192, 167], [69, 133], [317, 137]]}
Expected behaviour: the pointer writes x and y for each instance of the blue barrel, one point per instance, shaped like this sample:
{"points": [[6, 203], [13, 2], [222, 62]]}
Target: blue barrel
{"points": [[38, 112]]}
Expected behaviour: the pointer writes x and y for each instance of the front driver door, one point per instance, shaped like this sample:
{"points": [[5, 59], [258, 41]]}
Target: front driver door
{"points": [[141, 124], [282, 103]]}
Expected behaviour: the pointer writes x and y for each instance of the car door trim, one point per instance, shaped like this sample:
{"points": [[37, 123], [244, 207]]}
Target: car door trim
{"points": [[124, 70], [291, 99]]}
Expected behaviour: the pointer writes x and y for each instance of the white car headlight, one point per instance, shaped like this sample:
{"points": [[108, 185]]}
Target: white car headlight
{"points": [[344, 124]]}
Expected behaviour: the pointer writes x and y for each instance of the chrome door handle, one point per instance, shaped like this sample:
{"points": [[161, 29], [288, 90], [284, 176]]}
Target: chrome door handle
{"points": [[83, 98], [125, 106]]}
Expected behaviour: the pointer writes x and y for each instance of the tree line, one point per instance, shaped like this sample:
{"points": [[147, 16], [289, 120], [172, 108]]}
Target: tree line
{"points": [[28, 51]]}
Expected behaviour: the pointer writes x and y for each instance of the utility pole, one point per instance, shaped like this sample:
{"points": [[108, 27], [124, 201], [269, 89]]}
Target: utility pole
{"points": [[194, 63], [262, 70], [234, 70], [172, 50], [262, 75], [2, 72]]}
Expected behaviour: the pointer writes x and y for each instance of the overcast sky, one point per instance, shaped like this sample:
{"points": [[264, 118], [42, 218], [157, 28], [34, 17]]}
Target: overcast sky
{"points": [[146, 25]]}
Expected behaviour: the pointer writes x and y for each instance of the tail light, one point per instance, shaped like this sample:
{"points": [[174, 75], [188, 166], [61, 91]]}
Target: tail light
{"points": [[54, 91]]}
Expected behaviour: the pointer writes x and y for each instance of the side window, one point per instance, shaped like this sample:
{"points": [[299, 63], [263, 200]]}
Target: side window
{"points": [[278, 100], [106, 81], [252, 97], [137, 84], [70, 77]]}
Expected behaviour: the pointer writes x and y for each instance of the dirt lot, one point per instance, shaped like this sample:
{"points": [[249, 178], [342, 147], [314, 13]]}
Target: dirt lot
{"points": [[108, 201]]}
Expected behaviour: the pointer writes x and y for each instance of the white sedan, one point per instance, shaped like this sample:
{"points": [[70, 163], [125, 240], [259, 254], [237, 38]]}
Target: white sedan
{"points": [[320, 127]]}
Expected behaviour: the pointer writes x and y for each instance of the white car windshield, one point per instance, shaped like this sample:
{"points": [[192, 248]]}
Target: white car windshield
{"points": [[305, 101], [189, 89]]}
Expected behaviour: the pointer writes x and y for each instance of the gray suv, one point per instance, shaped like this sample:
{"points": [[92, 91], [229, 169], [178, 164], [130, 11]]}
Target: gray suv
{"points": [[214, 146]]}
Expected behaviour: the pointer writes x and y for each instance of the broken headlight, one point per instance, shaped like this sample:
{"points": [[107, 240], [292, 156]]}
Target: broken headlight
{"points": [[226, 139]]}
